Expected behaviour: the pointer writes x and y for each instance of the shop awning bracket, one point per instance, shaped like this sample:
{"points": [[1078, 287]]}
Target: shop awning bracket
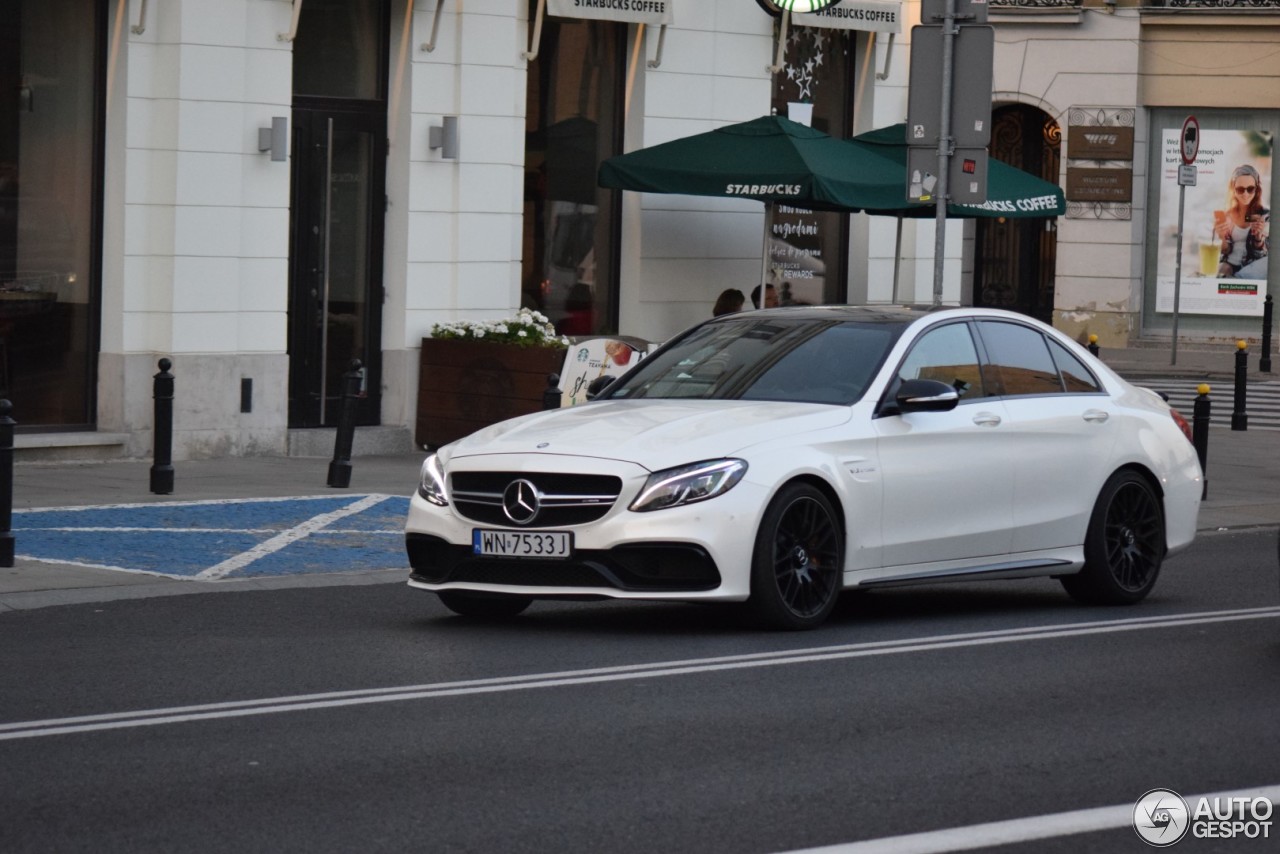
{"points": [[657, 57], [140, 27], [888, 55], [780, 53], [532, 53], [430, 44], [293, 25]]}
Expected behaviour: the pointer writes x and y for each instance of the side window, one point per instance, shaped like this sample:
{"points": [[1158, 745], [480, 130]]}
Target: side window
{"points": [[946, 354], [1020, 360], [1075, 376]]}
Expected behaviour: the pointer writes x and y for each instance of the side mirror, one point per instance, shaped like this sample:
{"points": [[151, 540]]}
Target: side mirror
{"points": [[926, 396], [598, 385]]}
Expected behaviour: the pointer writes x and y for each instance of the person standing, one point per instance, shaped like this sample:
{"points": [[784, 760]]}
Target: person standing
{"points": [[729, 301]]}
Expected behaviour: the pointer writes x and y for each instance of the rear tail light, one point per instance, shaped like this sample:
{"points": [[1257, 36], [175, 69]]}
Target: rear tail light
{"points": [[1182, 424]]}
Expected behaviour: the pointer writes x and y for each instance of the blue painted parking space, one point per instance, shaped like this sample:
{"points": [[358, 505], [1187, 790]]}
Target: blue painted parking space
{"points": [[213, 540]]}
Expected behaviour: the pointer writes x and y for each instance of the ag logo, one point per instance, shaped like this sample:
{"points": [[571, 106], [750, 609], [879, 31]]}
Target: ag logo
{"points": [[1161, 817]]}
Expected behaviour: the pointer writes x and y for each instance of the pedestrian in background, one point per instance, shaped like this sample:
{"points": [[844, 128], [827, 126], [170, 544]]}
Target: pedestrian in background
{"points": [[729, 301], [770, 296]]}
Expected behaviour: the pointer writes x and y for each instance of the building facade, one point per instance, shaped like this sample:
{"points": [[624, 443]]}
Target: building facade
{"points": [[264, 190]]}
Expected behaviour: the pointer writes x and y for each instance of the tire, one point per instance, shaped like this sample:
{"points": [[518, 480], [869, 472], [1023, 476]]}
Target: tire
{"points": [[486, 606], [1124, 545], [798, 562]]}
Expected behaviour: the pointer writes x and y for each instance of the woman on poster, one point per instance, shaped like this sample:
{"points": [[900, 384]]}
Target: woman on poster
{"points": [[1243, 227]]}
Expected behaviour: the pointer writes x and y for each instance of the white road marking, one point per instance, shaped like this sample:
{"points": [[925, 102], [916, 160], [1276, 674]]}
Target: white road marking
{"points": [[1017, 830], [338, 699], [165, 530], [285, 538], [61, 562], [204, 502]]}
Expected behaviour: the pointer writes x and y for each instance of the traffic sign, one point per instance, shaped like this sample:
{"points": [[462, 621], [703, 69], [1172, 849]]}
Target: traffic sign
{"points": [[1187, 175], [973, 50], [1190, 140]]}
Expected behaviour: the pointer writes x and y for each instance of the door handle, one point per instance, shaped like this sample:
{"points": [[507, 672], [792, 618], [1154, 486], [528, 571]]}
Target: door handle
{"points": [[986, 419], [1095, 416]]}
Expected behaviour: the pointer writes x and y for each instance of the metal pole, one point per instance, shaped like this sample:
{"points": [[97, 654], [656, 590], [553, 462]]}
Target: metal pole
{"points": [[6, 484], [344, 436], [1268, 309], [764, 259], [162, 439], [1200, 433], [1177, 276], [946, 143], [1239, 417]]}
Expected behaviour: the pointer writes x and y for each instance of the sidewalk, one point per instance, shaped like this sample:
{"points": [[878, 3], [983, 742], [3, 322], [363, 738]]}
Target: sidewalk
{"points": [[1243, 485]]}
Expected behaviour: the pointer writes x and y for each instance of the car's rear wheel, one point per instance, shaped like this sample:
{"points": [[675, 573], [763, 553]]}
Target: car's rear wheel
{"points": [[797, 564], [1124, 546], [489, 606]]}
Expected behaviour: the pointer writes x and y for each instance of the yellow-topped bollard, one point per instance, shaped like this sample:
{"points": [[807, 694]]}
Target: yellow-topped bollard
{"points": [[1200, 433], [1093, 344], [1203, 388], [1239, 415]]}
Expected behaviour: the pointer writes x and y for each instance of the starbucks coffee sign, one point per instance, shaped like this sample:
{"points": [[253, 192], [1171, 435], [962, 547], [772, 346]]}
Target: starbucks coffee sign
{"points": [[627, 11], [875, 16]]}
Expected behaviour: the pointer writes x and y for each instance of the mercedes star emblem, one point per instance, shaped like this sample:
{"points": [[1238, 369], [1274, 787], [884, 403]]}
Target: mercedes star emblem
{"points": [[520, 502]]}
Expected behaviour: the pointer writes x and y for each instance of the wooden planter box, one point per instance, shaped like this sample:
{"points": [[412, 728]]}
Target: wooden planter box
{"points": [[466, 385]]}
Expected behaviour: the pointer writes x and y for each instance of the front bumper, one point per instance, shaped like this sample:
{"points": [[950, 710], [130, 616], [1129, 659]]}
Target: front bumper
{"points": [[637, 568], [700, 551]]}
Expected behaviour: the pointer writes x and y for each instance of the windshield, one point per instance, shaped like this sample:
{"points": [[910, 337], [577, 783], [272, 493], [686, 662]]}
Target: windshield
{"points": [[746, 358]]}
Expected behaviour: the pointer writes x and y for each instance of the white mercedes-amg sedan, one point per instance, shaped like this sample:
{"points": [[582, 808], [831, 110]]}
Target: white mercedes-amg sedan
{"points": [[777, 457]]}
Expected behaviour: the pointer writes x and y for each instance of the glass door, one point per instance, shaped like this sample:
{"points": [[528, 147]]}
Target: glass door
{"points": [[336, 262]]}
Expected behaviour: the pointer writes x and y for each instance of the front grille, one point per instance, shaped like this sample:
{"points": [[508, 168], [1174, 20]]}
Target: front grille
{"points": [[666, 567], [564, 499]]}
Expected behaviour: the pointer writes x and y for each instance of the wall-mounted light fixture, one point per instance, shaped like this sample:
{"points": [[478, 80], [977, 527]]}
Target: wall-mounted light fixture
{"points": [[445, 138], [275, 138]]}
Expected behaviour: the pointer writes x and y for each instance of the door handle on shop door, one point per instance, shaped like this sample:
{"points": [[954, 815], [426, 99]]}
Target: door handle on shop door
{"points": [[986, 419]]}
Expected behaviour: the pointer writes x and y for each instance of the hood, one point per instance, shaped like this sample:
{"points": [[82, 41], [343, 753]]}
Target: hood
{"points": [[655, 434]]}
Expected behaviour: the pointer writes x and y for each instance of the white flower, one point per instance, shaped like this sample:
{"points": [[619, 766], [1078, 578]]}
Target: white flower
{"points": [[523, 334]]}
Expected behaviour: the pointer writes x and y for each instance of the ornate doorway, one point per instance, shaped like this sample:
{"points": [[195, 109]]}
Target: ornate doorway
{"points": [[1015, 258]]}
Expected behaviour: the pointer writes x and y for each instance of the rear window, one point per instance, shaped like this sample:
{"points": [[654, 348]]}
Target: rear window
{"points": [[813, 361]]}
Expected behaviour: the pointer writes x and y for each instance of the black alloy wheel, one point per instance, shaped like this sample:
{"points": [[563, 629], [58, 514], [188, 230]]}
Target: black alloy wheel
{"points": [[486, 606], [1124, 546], [797, 565]]}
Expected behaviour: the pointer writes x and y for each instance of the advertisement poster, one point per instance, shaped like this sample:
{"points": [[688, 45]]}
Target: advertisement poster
{"points": [[1226, 224], [591, 359]]}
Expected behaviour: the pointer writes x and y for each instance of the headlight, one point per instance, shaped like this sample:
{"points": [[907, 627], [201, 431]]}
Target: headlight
{"points": [[432, 485], [687, 484]]}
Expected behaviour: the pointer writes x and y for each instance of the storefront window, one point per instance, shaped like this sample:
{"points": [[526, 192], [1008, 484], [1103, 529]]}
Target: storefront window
{"points": [[49, 132], [573, 122], [807, 249]]}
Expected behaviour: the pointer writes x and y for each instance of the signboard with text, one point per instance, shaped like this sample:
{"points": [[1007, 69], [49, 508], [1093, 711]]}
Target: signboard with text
{"points": [[877, 16], [626, 11], [1226, 223]]}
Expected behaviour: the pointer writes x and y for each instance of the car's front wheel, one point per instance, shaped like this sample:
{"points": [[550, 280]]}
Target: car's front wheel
{"points": [[489, 606], [1124, 546], [797, 564]]}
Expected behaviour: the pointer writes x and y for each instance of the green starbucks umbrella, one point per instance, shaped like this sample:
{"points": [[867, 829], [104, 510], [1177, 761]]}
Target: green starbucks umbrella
{"points": [[1011, 192], [769, 159]]}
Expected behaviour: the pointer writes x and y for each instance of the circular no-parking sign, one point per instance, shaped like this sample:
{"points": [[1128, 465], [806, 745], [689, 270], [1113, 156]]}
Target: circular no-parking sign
{"points": [[1190, 140]]}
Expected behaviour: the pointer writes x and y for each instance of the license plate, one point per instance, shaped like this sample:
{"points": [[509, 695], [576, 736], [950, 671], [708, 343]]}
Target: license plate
{"points": [[521, 543]]}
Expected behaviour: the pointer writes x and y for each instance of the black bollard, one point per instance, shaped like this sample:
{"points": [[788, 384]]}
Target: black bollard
{"points": [[1239, 417], [551, 397], [1093, 344], [1200, 433], [162, 468], [1264, 362], [340, 467], [6, 484]]}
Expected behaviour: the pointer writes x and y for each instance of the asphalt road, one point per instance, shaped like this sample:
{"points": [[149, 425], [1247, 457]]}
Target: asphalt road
{"points": [[366, 718]]}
